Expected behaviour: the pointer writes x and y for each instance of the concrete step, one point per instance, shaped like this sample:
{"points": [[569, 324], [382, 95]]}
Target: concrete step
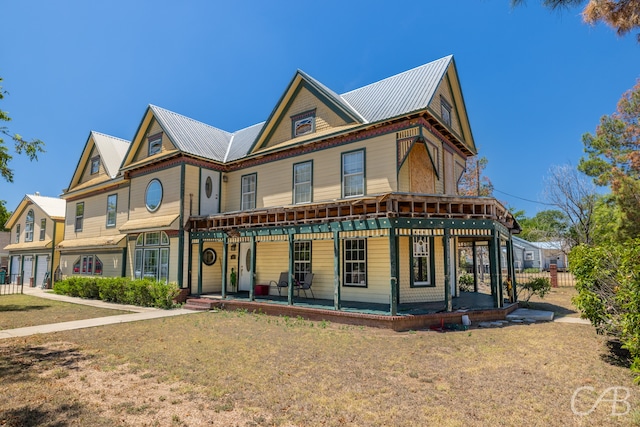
{"points": [[200, 304], [530, 315]]}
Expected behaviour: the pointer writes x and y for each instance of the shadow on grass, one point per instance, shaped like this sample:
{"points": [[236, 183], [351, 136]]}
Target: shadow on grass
{"points": [[617, 356], [21, 364], [14, 307], [558, 310], [29, 416]]}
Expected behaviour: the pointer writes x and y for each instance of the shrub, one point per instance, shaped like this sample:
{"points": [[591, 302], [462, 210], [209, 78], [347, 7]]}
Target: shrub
{"points": [[121, 290], [466, 282], [539, 286]]}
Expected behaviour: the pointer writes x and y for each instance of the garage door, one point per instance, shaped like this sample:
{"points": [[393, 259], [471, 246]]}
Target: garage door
{"points": [[15, 269], [27, 268], [41, 269]]}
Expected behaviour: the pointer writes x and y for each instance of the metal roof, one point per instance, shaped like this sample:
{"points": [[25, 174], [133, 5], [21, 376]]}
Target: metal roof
{"points": [[54, 207], [401, 94], [242, 141], [191, 136], [112, 151]]}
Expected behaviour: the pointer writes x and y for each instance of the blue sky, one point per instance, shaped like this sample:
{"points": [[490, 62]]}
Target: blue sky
{"points": [[533, 80]]}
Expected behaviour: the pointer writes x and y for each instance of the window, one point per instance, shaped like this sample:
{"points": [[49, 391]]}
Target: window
{"points": [[445, 111], [301, 259], [151, 260], [302, 175], [248, 192], [79, 215], [303, 123], [95, 165], [112, 205], [208, 187], [528, 255], [209, 256], [153, 195], [155, 144], [28, 227], [17, 233], [353, 174], [422, 268], [88, 265], [43, 228], [355, 262]]}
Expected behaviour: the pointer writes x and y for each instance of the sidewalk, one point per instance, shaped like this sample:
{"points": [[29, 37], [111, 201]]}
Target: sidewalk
{"points": [[138, 313]]}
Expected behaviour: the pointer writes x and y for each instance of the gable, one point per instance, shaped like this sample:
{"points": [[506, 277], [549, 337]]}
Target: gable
{"points": [[305, 99], [150, 137], [83, 176]]}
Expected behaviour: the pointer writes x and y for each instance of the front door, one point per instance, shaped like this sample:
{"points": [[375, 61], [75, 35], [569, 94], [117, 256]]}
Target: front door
{"points": [[245, 269]]}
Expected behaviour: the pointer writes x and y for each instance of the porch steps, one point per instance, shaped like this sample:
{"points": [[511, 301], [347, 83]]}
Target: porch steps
{"points": [[199, 304]]}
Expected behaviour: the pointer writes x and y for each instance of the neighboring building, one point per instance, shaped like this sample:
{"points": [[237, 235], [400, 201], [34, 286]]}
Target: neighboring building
{"points": [[36, 225], [539, 255], [554, 253], [97, 202], [359, 189], [5, 238]]}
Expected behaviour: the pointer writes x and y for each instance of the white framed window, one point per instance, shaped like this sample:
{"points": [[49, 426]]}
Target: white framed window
{"points": [[79, 216], [112, 205], [302, 182], [355, 262], [303, 123], [528, 255], [43, 228], [89, 265], [153, 195], [301, 259], [17, 240], [151, 259], [155, 144], [421, 260], [353, 174], [248, 199], [28, 226], [95, 165]]}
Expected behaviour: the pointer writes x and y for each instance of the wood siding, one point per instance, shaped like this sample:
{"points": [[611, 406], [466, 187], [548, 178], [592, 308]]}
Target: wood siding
{"points": [[94, 223], [111, 262], [86, 177], [142, 150], [170, 180], [444, 92], [420, 294]]}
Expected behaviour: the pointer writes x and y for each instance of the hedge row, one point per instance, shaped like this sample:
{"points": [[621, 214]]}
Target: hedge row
{"points": [[122, 290]]}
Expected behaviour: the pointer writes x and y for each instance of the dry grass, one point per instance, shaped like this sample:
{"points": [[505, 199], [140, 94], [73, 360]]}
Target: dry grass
{"points": [[235, 368], [19, 311]]}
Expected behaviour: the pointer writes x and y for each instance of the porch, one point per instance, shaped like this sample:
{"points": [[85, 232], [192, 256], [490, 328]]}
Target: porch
{"points": [[477, 306]]}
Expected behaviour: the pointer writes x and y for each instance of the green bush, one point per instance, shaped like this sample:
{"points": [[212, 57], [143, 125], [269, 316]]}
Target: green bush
{"points": [[121, 290], [531, 270], [539, 286], [466, 282], [608, 283]]}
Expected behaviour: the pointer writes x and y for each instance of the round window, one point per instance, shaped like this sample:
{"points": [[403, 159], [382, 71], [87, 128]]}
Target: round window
{"points": [[153, 196], [208, 187], [209, 256]]}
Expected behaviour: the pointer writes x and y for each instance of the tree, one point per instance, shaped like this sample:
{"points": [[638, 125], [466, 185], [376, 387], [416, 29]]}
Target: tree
{"points": [[613, 159], [473, 182], [572, 193], [30, 148], [4, 215], [545, 226], [621, 15]]}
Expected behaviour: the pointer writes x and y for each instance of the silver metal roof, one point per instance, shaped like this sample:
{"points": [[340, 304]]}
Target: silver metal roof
{"points": [[193, 137], [242, 141], [52, 206], [112, 151]]}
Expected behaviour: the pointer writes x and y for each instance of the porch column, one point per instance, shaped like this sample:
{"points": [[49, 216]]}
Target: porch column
{"points": [[290, 279], [224, 266], [199, 265], [475, 265], [510, 268], [336, 270], [252, 272], [446, 246], [500, 286], [190, 262], [493, 266], [393, 256]]}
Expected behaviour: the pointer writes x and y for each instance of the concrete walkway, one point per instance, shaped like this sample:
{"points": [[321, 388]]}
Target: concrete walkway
{"points": [[138, 313]]}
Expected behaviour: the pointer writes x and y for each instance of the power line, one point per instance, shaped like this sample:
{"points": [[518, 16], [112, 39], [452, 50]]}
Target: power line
{"points": [[522, 198]]}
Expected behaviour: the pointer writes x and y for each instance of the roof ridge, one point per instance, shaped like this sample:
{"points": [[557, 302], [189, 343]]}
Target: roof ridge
{"points": [[111, 136], [152, 106]]}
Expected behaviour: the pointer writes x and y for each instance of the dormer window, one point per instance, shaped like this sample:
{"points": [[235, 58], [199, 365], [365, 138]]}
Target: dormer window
{"points": [[445, 111], [303, 123], [155, 144], [95, 165]]}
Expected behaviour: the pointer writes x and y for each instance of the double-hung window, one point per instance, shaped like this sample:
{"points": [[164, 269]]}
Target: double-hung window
{"points": [[43, 228], [17, 233], [302, 182], [445, 111], [353, 174], [355, 262], [112, 204], [28, 227], [422, 268], [79, 216], [301, 259], [248, 192]]}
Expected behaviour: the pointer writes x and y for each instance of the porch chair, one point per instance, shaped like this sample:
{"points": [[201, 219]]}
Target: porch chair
{"points": [[306, 285], [283, 282]]}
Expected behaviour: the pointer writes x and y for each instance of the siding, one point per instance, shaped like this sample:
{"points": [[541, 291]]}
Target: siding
{"points": [[86, 172], [211, 274], [94, 223], [170, 180], [378, 288], [153, 129], [191, 191], [420, 294], [444, 91]]}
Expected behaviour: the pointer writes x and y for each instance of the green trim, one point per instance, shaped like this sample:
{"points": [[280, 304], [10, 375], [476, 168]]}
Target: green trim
{"points": [[225, 254], [200, 247], [364, 172], [291, 267], [467, 224], [200, 191], [220, 174], [255, 193], [366, 263], [301, 116], [123, 273], [53, 252], [394, 279], [252, 276], [432, 264], [293, 182], [181, 229], [446, 245], [336, 270]]}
